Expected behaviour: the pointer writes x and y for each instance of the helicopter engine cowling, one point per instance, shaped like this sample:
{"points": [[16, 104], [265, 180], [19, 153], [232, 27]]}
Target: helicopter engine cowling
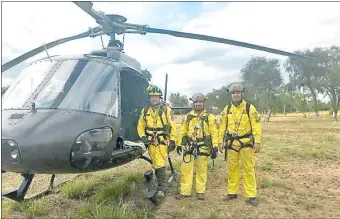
{"points": [[59, 141]]}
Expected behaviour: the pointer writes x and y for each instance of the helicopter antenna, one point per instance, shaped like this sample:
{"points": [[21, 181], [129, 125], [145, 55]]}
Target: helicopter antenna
{"points": [[166, 86], [123, 38], [101, 38]]}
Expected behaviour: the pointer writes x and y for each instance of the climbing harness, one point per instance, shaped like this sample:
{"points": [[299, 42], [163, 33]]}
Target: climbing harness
{"points": [[196, 143], [231, 137]]}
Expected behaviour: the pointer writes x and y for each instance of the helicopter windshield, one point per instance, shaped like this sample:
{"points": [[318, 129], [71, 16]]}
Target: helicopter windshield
{"points": [[66, 84]]}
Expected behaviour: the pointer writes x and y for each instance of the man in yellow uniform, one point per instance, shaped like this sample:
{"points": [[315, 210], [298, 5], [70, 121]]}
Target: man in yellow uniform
{"points": [[240, 134], [198, 136], [157, 130]]}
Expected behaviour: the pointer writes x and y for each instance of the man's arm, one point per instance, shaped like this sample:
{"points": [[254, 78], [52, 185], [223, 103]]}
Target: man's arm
{"points": [[173, 130], [256, 124], [141, 125], [213, 130], [223, 124], [182, 131]]}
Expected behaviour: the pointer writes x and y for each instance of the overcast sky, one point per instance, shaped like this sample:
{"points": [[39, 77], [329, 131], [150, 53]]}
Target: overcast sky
{"points": [[192, 65]]}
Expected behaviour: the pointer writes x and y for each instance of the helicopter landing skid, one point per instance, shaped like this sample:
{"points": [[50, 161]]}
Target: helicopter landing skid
{"points": [[19, 194]]}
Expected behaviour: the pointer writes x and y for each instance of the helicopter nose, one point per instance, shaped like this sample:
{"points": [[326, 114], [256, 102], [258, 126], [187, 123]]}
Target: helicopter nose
{"points": [[56, 141]]}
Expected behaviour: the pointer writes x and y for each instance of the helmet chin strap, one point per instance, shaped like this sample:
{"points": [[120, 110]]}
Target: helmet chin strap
{"points": [[237, 103], [153, 106]]}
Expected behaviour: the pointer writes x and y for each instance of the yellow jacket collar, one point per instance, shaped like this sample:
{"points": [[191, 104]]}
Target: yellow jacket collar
{"points": [[242, 104]]}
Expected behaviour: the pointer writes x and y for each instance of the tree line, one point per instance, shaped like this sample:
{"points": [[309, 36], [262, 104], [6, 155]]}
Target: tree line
{"points": [[266, 89]]}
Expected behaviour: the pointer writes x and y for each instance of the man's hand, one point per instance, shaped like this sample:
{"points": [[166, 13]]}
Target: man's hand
{"points": [[220, 147], [172, 145], [179, 150], [214, 153], [257, 147]]}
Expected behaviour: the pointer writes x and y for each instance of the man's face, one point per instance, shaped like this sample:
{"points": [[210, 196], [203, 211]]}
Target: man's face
{"points": [[154, 100], [236, 96], [199, 106]]}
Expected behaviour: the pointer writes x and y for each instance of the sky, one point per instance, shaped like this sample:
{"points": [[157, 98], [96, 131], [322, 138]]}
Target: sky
{"points": [[192, 65]]}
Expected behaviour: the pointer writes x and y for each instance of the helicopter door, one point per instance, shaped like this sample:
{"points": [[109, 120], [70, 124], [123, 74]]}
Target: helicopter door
{"points": [[133, 99]]}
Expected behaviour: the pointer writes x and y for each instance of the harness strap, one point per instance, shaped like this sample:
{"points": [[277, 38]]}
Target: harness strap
{"points": [[232, 138], [153, 134], [159, 131]]}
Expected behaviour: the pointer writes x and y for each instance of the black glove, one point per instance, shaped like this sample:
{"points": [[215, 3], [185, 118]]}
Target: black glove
{"points": [[145, 140], [172, 145], [214, 152], [179, 150]]}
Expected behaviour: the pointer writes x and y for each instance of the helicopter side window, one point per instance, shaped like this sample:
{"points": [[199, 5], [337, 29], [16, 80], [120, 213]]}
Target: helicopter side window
{"points": [[27, 82]]}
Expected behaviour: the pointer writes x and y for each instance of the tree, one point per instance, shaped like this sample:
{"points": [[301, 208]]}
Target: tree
{"points": [[263, 77], [329, 61], [178, 100], [217, 100], [305, 73], [147, 74]]}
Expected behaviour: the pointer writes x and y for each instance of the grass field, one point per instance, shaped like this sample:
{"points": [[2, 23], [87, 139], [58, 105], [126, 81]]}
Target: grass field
{"points": [[297, 171]]}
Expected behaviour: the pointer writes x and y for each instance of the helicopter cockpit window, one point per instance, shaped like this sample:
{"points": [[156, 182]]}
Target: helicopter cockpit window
{"points": [[67, 84], [27, 82], [82, 85]]}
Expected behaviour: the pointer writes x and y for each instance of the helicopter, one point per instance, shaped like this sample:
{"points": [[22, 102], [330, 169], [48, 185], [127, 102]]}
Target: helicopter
{"points": [[78, 114]]}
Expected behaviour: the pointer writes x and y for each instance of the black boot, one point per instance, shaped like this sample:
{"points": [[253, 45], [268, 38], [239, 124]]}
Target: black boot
{"points": [[229, 197], [252, 201], [161, 178]]}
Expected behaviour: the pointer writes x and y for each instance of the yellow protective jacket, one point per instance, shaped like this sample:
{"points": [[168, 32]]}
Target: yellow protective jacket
{"points": [[152, 123], [209, 127], [237, 122]]}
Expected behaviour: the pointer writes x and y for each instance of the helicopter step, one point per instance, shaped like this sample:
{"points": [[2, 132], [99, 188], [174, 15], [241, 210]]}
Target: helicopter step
{"points": [[126, 150]]}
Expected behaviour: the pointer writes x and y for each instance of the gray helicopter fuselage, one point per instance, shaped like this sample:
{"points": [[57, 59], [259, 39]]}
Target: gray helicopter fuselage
{"points": [[64, 115]]}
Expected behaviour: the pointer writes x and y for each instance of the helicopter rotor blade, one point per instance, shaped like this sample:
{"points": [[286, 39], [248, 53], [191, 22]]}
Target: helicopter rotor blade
{"points": [[221, 40], [108, 25], [87, 7], [120, 28], [40, 49]]}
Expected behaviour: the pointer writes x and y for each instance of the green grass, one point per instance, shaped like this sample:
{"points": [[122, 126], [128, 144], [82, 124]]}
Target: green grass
{"points": [[33, 208], [79, 189], [270, 182], [121, 212], [119, 189]]}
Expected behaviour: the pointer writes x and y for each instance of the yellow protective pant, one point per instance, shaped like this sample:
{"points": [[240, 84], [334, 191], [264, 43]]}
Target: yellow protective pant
{"points": [[158, 155], [247, 158], [187, 172]]}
